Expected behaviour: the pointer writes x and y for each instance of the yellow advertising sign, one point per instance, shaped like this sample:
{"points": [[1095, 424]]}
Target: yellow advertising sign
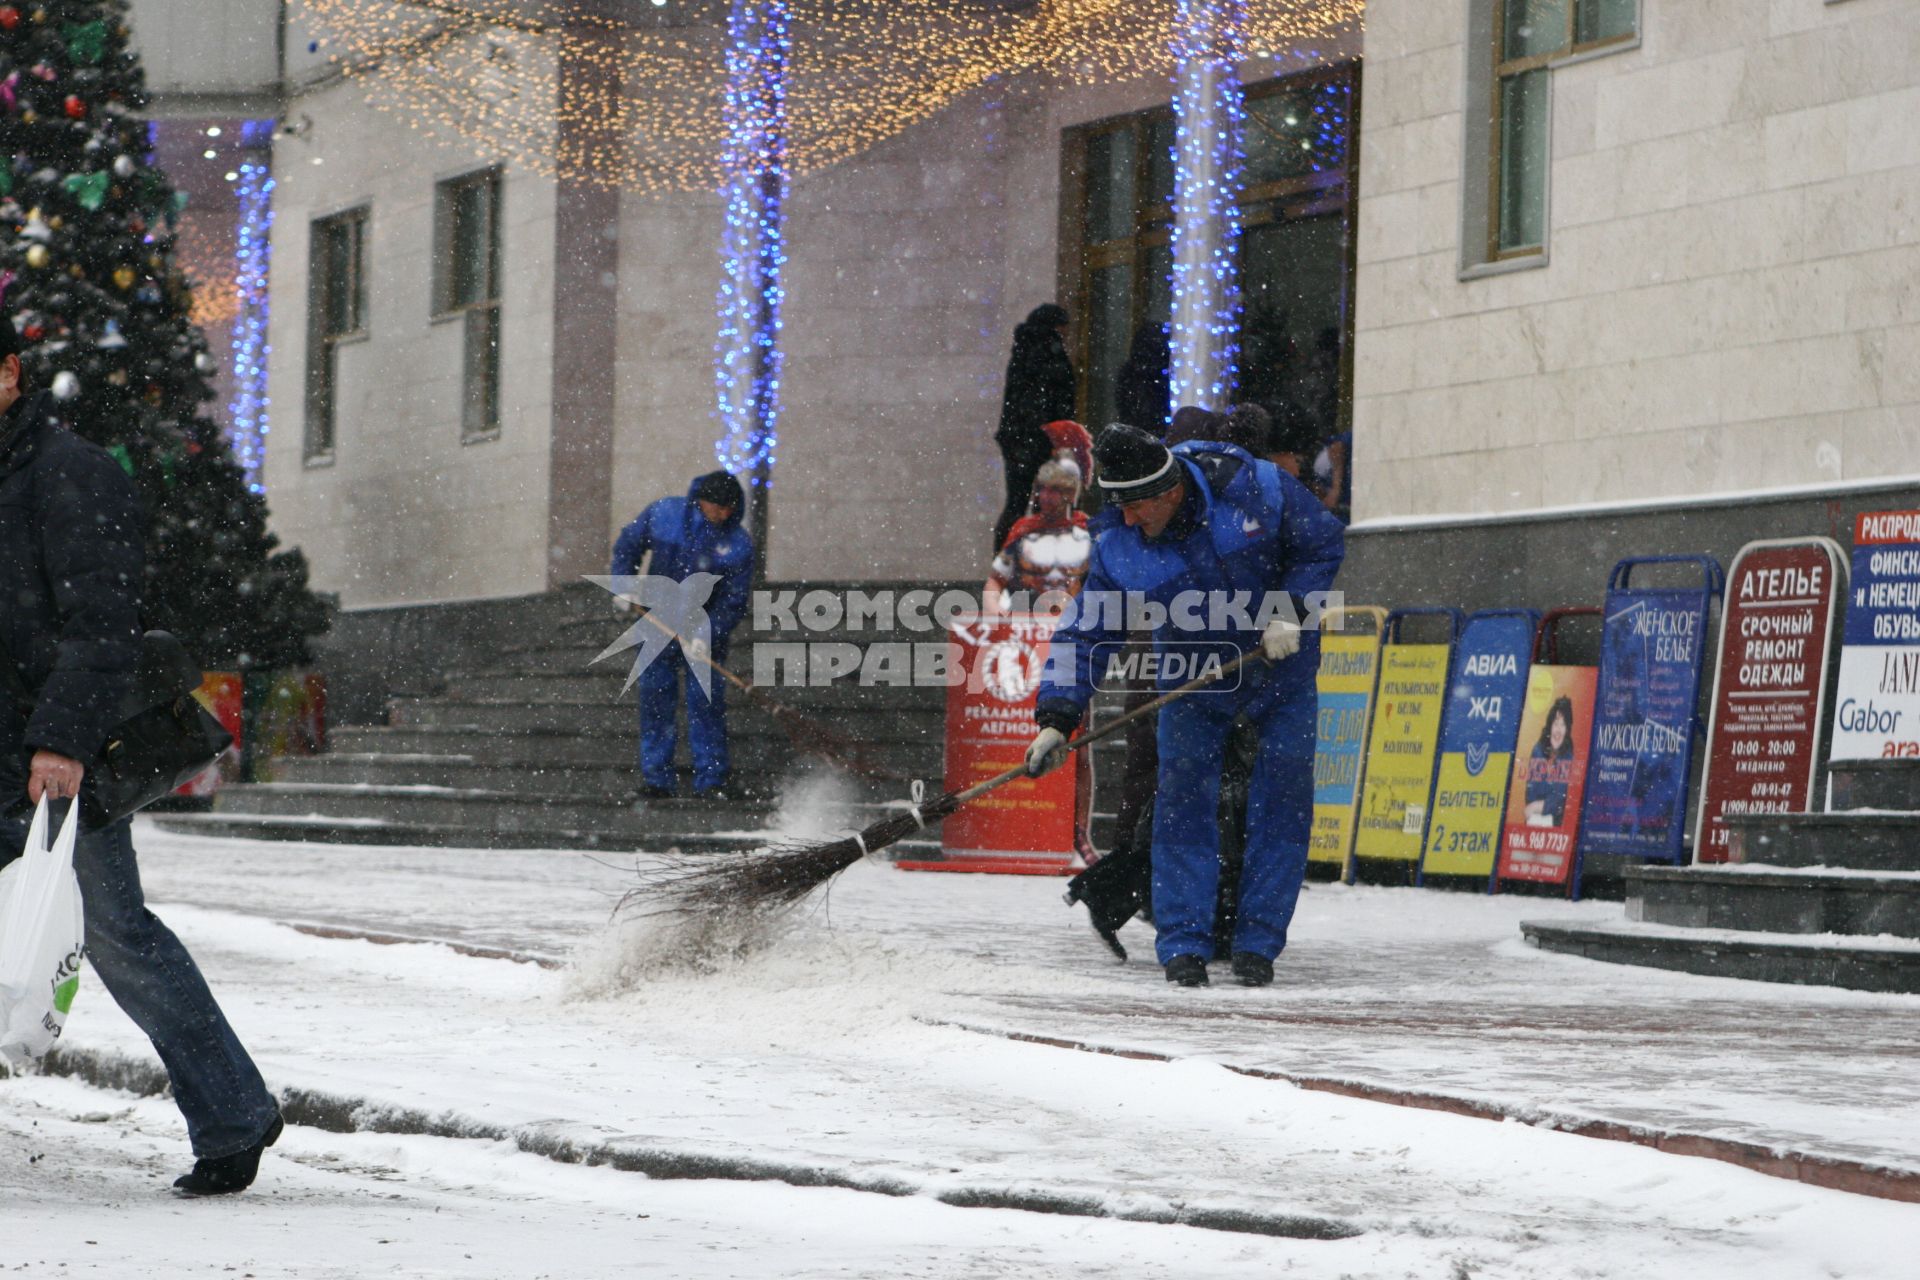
{"points": [[1349, 665], [1401, 750], [1468, 811]]}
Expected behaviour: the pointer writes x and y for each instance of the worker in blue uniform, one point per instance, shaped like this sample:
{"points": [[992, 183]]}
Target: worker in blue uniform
{"points": [[1197, 524], [699, 534]]}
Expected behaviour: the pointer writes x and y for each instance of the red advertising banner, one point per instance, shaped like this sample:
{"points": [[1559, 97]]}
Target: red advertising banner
{"points": [[1026, 825], [1549, 775], [1769, 691]]}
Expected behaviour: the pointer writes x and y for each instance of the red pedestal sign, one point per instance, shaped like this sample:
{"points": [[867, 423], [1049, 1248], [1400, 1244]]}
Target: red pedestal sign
{"points": [[1769, 693], [1025, 826]]}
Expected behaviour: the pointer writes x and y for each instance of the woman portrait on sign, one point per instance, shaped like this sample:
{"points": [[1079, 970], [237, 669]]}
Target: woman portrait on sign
{"points": [[1550, 771]]}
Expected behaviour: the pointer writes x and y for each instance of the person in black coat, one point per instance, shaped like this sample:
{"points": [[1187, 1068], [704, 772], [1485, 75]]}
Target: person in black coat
{"points": [[1142, 395], [71, 564], [1041, 388]]}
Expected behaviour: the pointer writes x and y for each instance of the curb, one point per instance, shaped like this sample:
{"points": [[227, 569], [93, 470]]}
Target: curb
{"points": [[567, 1142], [1884, 1182]]}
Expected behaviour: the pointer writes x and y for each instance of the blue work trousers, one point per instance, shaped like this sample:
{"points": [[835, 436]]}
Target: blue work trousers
{"points": [[149, 974], [1186, 832], [706, 722]]}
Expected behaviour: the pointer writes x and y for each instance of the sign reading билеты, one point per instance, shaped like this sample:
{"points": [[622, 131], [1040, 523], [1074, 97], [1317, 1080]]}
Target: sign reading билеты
{"points": [[1877, 712], [1770, 686]]}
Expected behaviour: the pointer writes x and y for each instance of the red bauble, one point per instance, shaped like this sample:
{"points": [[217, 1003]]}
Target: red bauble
{"points": [[34, 332], [76, 109], [9, 17]]}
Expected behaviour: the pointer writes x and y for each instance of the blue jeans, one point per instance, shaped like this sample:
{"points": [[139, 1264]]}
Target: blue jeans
{"points": [[1186, 832], [706, 722], [151, 976]]}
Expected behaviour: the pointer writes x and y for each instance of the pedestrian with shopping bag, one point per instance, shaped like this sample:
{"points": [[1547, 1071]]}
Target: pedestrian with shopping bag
{"points": [[71, 569]]}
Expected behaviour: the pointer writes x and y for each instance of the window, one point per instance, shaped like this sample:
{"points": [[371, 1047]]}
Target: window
{"points": [[1527, 38], [336, 313], [1295, 251], [466, 285]]}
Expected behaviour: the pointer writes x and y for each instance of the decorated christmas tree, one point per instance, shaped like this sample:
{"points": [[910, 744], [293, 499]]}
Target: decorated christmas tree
{"points": [[87, 225]]}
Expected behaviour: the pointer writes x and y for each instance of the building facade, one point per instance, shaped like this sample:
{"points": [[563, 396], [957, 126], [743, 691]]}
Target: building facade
{"points": [[1538, 256]]}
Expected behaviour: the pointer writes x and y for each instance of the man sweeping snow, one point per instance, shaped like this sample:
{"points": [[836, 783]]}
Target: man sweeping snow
{"points": [[1209, 519]]}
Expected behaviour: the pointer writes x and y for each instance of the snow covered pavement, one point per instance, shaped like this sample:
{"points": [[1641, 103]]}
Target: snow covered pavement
{"points": [[832, 1058]]}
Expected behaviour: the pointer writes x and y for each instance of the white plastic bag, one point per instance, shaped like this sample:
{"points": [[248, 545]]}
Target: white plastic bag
{"points": [[42, 937]]}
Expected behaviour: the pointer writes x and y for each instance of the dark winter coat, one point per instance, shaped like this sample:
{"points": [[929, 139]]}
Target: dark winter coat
{"points": [[71, 561], [1141, 395], [1040, 386], [684, 542]]}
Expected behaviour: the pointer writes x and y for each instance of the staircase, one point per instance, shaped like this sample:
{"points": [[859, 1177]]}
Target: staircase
{"points": [[1829, 899], [532, 745]]}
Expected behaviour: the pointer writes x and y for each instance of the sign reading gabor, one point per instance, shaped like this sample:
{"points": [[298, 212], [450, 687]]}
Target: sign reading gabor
{"points": [[1878, 701]]}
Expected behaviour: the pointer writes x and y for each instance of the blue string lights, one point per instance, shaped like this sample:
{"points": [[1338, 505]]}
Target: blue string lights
{"points": [[1209, 113], [253, 255], [747, 356]]}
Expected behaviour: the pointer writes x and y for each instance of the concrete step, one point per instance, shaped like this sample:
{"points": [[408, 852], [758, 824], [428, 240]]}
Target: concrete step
{"points": [[876, 725], [1767, 900], [1876, 784], [1856, 963], [603, 685], [345, 768], [1861, 841], [485, 810], [525, 749], [458, 836]]}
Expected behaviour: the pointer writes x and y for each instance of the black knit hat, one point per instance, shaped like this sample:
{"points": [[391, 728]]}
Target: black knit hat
{"points": [[1132, 464], [721, 488]]}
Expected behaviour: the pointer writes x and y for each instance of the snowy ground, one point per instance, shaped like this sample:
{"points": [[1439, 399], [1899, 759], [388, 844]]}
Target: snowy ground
{"points": [[826, 1057]]}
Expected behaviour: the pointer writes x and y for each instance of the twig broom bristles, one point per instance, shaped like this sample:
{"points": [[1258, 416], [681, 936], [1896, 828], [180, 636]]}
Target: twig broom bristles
{"points": [[764, 883]]}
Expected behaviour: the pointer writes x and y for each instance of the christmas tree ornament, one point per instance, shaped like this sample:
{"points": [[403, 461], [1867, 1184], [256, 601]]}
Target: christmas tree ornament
{"points": [[37, 256], [75, 108], [9, 17], [89, 190], [10, 90], [123, 278], [36, 228], [205, 363], [119, 453], [42, 71], [77, 271], [33, 332], [86, 41], [40, 15], [123, 166], [112, 339], [66, 385]]}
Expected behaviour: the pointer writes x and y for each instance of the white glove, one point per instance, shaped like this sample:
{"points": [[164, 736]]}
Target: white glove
{"points": [[697, 650], [1280, 640], [1047, 752]]}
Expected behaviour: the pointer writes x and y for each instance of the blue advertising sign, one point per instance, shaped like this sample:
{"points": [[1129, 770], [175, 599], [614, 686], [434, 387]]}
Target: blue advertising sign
{"points": [[1478, 728], [1652, 644]]}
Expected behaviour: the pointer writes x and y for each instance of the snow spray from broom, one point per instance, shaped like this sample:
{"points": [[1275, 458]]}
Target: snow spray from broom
{"points": [[748, 891]]}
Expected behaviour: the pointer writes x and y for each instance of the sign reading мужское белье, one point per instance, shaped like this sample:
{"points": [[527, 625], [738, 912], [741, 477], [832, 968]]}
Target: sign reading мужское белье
{"points": [[1877, 703]]}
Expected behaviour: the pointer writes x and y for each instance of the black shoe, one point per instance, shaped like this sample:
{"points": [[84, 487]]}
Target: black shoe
{"points": [[1251, 970], [653, 793], [228, 1174], [1187, 971]]}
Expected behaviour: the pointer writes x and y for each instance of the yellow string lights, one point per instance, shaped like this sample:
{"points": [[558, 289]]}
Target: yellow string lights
{"points": [[635, 103]]}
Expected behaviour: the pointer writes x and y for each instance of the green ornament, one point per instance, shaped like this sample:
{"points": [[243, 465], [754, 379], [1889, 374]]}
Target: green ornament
{"points": [[90, 189], [179, 202], [120, 455], [86, 41], [6, 178]]}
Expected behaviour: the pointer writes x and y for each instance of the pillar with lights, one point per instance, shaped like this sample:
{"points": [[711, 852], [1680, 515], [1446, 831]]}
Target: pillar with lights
{"points": [[1209, 108], [747, 355]]}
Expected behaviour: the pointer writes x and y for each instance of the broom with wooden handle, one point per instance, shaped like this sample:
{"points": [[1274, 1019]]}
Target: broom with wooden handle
{"points": [[808, 735], [767, 882]]}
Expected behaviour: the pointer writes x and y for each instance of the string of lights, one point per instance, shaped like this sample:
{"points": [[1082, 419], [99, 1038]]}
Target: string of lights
{"points": [[747, 355], [1209, 113], [484, 72], [253, 252]]}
